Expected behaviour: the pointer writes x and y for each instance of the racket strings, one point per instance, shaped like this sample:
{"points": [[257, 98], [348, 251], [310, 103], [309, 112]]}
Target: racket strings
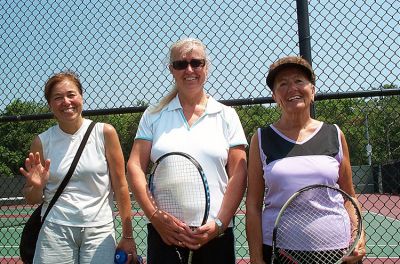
{"points": [[314, 229], [311, 226], [178, 189], [309, 257]]}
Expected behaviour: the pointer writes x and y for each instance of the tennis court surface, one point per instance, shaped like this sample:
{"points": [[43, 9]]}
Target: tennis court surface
{"points": [[381, 218]]}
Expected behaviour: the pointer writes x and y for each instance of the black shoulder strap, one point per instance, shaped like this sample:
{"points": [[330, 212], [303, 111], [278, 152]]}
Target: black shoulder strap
{"points": [[70, 171]]}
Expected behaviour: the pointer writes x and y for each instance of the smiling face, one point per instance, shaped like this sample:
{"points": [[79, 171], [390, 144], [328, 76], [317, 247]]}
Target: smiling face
{"points": [[293, 91], [192, 78], [65, 101]]}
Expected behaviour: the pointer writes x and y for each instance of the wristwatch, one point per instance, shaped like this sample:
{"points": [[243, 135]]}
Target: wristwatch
{"points": [[220, 227]]}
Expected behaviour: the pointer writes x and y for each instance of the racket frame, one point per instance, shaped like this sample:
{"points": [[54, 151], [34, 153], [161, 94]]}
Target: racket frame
{"points": [[204, 181], [314, 186]]}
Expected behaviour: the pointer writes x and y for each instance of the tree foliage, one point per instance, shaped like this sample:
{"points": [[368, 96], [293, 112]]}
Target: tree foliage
{"points": [[16, 137], [126, 126], [364, 121]]}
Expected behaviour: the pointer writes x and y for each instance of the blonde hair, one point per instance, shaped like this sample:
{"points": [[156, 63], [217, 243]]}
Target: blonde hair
{"points": [[188, 43]]}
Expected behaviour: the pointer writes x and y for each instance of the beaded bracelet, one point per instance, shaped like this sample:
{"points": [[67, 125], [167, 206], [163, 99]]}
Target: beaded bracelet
{"points": [[127, 237]]}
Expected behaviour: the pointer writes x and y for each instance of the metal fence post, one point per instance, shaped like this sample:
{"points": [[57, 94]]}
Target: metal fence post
{"points": [[304, 36]]}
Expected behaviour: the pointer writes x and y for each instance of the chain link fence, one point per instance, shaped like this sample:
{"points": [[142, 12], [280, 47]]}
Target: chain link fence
{"points": [[119, 49]]}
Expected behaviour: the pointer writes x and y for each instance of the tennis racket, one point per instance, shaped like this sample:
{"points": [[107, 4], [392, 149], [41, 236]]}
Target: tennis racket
{"points": [[179, 187], [318, 224]]}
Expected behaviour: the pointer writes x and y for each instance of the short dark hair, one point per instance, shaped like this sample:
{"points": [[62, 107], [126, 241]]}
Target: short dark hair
{"points": [[59, 77]]}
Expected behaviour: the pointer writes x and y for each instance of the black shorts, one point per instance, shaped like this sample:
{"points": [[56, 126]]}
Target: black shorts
{"points": [[220, 250]]}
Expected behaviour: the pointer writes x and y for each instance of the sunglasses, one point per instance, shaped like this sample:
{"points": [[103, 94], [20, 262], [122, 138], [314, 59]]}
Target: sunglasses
{"points": [[194, 63]]}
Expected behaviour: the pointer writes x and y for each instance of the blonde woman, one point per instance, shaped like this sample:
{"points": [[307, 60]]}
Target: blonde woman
{"points": [[191, 121]]}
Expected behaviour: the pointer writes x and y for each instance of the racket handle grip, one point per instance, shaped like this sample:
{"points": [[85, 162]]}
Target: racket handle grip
{"points": [[139, 259]]}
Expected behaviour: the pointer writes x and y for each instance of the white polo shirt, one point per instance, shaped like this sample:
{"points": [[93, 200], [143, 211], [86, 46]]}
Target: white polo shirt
{"points": [[208, 140]]}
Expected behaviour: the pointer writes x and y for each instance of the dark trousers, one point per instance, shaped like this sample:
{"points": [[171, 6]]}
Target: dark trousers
{"points": [[220, 250]]}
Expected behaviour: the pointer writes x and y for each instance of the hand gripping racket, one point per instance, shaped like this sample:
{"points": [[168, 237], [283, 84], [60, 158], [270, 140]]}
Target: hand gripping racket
{"points": [[179, 187], [318, 224]]}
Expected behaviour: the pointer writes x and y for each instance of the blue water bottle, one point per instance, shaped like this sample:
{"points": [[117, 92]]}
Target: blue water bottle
{"points": [[121, 257]]}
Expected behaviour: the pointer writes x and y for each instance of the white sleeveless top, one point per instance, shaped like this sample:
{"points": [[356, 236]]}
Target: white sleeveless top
{"points": [[87, 199]]}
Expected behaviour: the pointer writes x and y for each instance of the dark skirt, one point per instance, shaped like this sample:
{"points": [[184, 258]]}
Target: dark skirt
{"points": [[220, 250]]}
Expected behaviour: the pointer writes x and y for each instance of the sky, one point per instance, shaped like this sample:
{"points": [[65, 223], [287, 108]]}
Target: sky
{"points": [[120, 48]]}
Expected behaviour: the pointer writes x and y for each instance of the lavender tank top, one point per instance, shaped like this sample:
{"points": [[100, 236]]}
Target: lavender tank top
{"points": [[289, 166]]}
